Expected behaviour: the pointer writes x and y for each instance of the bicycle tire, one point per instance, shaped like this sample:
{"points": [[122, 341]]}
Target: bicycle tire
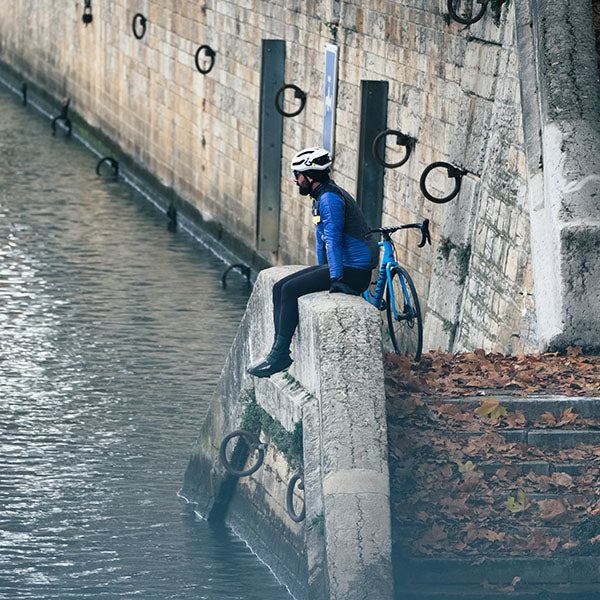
{"points": [[406, 332], [252, 442]]}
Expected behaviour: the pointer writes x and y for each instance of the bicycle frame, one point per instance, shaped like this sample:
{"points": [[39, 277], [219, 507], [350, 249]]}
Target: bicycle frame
{"points": [[403, 313], [384, 278]]}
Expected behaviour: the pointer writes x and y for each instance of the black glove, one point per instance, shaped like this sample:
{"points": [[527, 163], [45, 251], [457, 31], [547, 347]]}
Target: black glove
{"points": [[338, 286]]}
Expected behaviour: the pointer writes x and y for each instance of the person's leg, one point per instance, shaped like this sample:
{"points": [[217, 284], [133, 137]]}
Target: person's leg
{"points": [[312, 279], [358, 279], [277, 290], [285, 314]]}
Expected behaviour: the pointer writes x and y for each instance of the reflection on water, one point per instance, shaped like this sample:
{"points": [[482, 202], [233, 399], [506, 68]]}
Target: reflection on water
{"points": [[113, 332]]}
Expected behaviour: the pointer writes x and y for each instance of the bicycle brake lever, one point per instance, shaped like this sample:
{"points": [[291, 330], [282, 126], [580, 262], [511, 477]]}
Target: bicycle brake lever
{"points": [[426, 238]]}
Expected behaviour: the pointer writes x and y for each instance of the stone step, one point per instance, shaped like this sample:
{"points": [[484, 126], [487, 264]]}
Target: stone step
{"points": [[477, 592], [566, 533], [534, 406], [502, 494], [538, 467], [555, 439], [576, 570]]}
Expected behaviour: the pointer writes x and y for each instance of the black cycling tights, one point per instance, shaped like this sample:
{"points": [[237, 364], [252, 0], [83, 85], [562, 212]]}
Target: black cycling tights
{"points": [[312, 279]]}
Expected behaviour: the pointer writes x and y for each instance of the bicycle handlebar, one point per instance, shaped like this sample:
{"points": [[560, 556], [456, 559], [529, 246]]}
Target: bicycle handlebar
{"points": [[423, 227], [425, 237]]}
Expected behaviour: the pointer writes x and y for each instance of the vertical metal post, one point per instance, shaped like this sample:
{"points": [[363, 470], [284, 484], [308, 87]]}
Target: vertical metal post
{"points": [[373, 119], [270, 143]]}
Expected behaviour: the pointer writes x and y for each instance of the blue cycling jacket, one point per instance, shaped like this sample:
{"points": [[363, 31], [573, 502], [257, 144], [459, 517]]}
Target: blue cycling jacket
{"points": [[343, 238]]}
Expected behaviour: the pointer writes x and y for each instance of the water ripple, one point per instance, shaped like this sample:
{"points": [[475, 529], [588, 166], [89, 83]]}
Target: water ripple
{"points": [[113, 332]]}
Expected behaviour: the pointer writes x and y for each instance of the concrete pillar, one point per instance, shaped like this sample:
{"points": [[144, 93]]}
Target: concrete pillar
{"points": [[561, 115], [344, 371]]}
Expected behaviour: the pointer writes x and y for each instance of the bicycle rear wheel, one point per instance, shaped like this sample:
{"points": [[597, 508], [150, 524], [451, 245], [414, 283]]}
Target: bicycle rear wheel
{"points": [[406, 326]]}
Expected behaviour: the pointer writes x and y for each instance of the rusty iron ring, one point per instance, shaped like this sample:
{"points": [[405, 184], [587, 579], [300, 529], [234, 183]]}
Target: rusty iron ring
{"points": [[114, 164], [243, 269], [253, 443], [87, 13], [63, 116], [289, 499]]}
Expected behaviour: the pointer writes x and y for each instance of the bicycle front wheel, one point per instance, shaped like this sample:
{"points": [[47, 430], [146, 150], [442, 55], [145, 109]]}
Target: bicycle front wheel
{"points": [[404, 314]]}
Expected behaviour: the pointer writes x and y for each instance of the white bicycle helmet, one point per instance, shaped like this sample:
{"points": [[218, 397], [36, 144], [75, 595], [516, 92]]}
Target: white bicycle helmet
{"points": [[311, 159]]}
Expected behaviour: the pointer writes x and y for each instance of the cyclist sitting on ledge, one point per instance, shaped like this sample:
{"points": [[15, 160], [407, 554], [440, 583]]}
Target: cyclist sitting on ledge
{"points": [[346, 252]]}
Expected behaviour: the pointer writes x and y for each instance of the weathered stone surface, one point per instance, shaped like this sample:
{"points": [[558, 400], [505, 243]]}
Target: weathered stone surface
{"points": [[336, 388], [562, 129], [344, 371]]}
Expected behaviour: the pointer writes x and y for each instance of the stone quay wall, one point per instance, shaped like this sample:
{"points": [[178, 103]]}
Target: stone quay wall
{"points": [[475, 96], [335, 391]]}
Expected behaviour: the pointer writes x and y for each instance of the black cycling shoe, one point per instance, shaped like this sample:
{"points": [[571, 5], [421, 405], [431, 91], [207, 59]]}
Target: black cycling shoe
{"points": [[266, 368], [277, 360]]}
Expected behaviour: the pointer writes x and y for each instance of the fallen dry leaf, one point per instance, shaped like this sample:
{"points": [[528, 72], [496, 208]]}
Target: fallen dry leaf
{"points": [[562, 479], [548, 420], [500, 588], [552, 509], [566, 416]]}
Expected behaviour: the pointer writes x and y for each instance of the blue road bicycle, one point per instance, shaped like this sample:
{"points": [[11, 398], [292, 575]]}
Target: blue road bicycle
{"points": [[396, 294]]}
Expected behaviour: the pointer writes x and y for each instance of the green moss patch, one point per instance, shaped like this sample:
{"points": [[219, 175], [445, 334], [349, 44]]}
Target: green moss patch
{"points": [[255, 418]]}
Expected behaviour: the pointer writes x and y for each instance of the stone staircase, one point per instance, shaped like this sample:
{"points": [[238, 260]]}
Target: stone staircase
{"points": [[456, 532]]}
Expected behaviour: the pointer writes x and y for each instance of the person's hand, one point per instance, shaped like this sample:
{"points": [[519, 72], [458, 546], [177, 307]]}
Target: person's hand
{"points": [[339, 287]]}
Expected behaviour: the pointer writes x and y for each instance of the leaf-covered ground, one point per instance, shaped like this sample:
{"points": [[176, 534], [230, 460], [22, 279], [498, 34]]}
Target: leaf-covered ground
{"points": [[459, 488]]}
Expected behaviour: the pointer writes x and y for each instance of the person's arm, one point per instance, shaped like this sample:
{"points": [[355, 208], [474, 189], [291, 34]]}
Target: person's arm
{"points": [[332, 217], [320, 247]]}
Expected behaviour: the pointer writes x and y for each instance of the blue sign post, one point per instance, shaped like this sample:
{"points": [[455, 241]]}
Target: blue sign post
{"points": [[330, 95]]}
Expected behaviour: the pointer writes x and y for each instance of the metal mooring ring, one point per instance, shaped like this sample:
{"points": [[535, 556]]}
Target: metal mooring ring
{"points": [[142, 20], [67, 123], [87, 13], [63, 116], [401, 140], [464, 20], [243, 269], [298, 93], [453, 172], [114, 164], [210, 53], [289, 499], [172, 216], [253, 444]]}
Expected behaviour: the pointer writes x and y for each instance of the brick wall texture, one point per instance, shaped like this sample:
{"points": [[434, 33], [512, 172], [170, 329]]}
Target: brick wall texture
{"points": [[455, 89]]}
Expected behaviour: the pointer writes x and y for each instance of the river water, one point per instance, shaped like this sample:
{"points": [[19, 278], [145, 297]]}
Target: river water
{"points": [[113, 332]]}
